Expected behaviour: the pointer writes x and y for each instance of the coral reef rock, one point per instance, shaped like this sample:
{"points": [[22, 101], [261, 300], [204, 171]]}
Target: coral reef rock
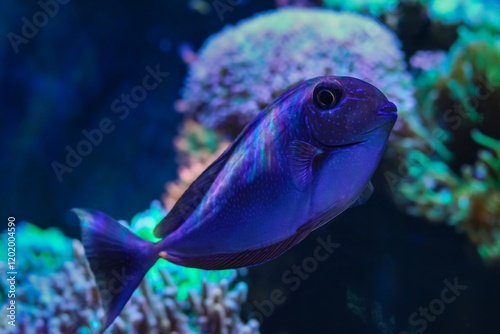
{"points": [[241, 69]]}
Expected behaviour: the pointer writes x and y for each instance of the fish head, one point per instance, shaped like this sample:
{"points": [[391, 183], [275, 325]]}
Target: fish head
{"points": [[344, 110]]}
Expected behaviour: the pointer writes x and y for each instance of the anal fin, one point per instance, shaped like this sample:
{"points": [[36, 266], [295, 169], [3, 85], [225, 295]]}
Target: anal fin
{"points": [[365, 195]]}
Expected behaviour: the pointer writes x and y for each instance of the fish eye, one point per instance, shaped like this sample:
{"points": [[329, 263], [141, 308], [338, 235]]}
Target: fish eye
{"points": [[326, 97]]}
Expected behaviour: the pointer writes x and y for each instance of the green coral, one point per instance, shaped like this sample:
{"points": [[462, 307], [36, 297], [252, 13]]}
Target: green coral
{"points": [[461, 95], [470, 200], [453, 163], [196, 142], [473, 13], [144, 222], [34, 253], [373, 7]]}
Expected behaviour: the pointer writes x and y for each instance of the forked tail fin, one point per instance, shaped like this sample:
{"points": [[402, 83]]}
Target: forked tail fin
{"points": [[118, 258]]}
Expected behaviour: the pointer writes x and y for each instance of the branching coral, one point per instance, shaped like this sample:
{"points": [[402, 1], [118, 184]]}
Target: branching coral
{"points": [[60, 301], [66, 300], [241, 69]]}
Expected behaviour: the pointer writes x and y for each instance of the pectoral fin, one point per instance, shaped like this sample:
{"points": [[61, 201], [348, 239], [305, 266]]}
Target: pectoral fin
{"points": [[302, 158]]}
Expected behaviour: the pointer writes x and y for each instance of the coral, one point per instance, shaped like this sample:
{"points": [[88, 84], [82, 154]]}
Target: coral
{"points": [[473, 13], [60, 301], [197, 148], [427, 24], [470, 201], [463, 94], [427, 60], [372, 7], [241, 69], [195, 142], [44, 257], [218, 309], [66, 300], [144, 222], [454, 170]]}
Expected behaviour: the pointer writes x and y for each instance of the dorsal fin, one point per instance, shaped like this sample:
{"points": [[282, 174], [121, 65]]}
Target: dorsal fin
{"points": [[192, 196]]}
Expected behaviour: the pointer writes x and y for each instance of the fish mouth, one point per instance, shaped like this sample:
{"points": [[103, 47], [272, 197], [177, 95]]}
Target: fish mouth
{"points": [[388, 108]]}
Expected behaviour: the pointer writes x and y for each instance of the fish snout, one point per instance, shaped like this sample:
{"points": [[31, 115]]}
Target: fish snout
{"points": [[388, 108]]}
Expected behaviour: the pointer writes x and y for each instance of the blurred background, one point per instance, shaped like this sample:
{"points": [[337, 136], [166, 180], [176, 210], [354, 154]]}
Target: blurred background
{"points": [[120, 106], [63, 80]]}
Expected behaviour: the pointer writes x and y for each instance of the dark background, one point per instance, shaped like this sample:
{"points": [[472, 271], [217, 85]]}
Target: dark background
{"points": [[63, 81]]}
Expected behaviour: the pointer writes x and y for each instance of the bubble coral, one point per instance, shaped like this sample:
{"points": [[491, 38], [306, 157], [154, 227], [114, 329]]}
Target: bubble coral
{"points": [[241, 69], [65, 299]]}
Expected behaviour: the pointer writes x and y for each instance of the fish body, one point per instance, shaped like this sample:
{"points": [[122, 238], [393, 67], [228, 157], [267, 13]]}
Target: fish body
{"points": [[295, 167], [301, 162]]}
